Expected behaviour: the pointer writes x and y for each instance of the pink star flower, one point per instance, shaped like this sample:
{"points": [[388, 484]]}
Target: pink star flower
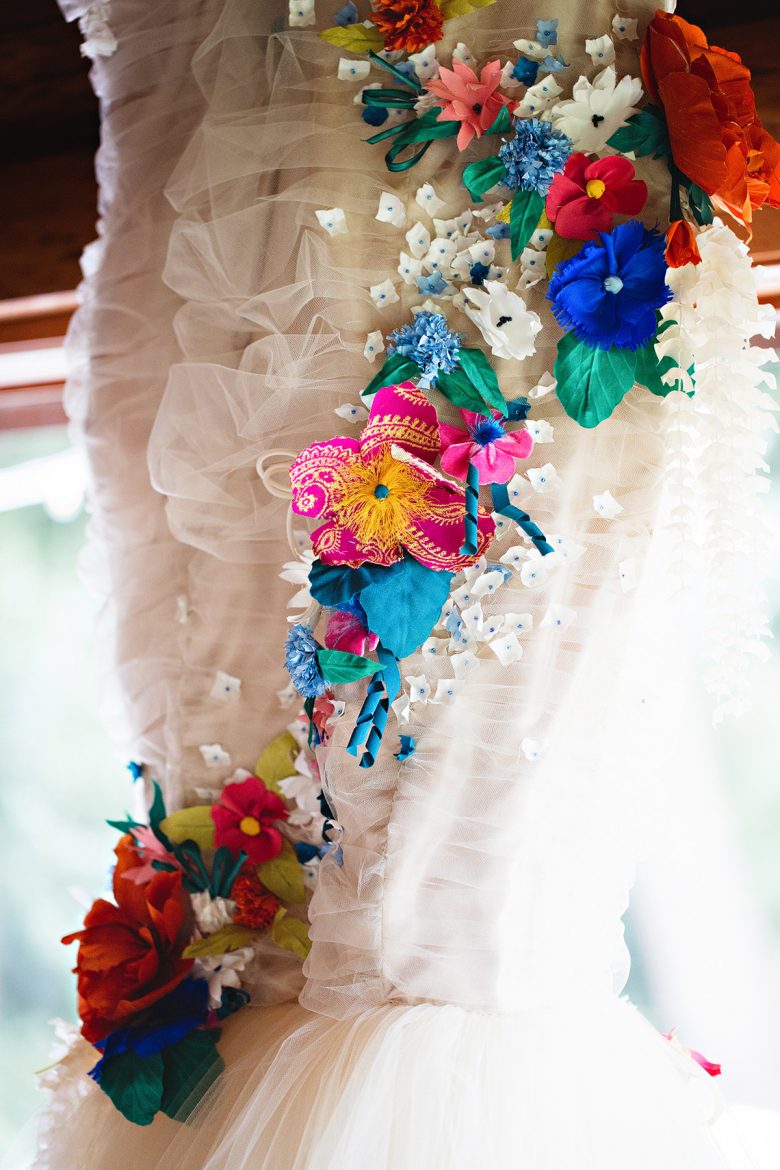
{"points": [[487, 444]]}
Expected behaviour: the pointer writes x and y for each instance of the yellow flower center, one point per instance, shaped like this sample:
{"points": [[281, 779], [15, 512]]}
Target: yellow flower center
{"points": [[379, 498], [250, 826], [594, 188]]}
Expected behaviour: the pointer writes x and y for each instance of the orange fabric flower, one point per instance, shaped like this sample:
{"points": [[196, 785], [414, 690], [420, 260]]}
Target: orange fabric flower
{"points": [[681, 245], [716, 138], [255, 906], [410, 25], [130, 954]]}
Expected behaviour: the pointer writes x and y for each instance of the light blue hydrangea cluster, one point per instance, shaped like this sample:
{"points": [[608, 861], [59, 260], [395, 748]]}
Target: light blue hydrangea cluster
{"points": [[534, 156], [429, 342], [300, 658]]}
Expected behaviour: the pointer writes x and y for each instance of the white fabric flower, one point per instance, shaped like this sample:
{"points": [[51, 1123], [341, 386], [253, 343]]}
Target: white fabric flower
{"points": [[391, 210], [351, 70], [518, 623], [375, 344], [624, 28], [488, 582], [540, 430], [226, 687], [464, 663], [211, 914], [531, 749], [558, 617], [214, 755], [536, 569], [409, 268], [297, 573], [352, 412], [546, 385], [538, 98], [532, 260], [597, 109], [99, 41], [425, 64], [601, 50], [384, 294], [287, 695], [427, 198], [627, 575], [607, 506], [462, 53], [419, 688], [334, 221], [532, 49], [543, 479], [222, 971], [302, 13], [419, 240], [507, 649], [501, 316], [447, 690]]}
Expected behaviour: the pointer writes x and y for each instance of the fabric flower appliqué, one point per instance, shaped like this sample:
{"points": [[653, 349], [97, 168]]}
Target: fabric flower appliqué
{"points": [[584, 197], [501, 316], [300, 660], [245, 820], [408, 25], [597, 109], [429, 342], [473, 101], [380, 495], [486, 444], [348, 630], [607, 295], [533, 155]]}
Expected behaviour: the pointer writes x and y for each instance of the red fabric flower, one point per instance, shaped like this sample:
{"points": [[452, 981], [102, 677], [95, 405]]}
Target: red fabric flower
{"points": [[681, 245], [255, 905], [715, 135], [468, 99], [410, 25], [584, 196], [130, 954], [244, 819]]}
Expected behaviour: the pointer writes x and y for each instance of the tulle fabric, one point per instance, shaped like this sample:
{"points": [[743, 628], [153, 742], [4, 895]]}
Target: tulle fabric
{"points": [[460, 1001]]}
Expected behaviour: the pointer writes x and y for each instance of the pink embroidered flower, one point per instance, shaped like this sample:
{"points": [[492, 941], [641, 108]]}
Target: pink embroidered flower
{"points": [[347, 631], [380, 495], [585, 196], [245, 819], [487, 444], [468, 99]]}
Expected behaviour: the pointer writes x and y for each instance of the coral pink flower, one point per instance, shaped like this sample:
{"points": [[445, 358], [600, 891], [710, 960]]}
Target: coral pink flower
{"points": [[347, 631], [584, 197], [486, 444], [245, 819], [470, 100], [380, 495]]}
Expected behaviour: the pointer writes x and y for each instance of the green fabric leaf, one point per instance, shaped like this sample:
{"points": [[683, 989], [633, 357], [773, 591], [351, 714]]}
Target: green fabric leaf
{"points": [[190, 824], [283, 876], [591, 382], [482, 376], [331, 585], [134, 1084], [277, 762], [355, 38], [480, 176], [527, 208], [458, 390], [403, 610], [291, 934], [125, 826], [338, 666], [396, 369], [645, 133], [190, 1069], [228, 938], [157, 811], [452, 8], [700, 205]]}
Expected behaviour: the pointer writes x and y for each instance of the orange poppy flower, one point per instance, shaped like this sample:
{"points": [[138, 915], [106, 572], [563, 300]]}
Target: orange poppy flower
{"points": [[410, 25], [130, 954], [716, 138]]}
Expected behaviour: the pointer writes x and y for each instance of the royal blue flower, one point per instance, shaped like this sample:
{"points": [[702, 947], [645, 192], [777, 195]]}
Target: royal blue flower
{"points": [[526, 71], [479, 273], [608, 294], [534, 155], [429, 342], [347, 15], [300, 658], [375, 115], [547, 32]]}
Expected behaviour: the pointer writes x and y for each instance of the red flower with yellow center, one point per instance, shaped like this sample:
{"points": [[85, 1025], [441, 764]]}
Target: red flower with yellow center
{"points": [[716, 138], [245, 820], [409, 25], [585, 196], [130, 954]]}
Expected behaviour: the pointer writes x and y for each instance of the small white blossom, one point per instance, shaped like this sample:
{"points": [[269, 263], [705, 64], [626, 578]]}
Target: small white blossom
{"points": [[540, 430], [607, 506], [447, 690], [352, 412], [334, 221], [211, 914], [419, 688], [222, 971], [409, 268], [601, 50], [427, 198], [226, 687], [531, 749], [462, 53], [464, 663], [507, 649], [302, 13], [375, 344], [351, 70], [425, 64], [532, 49], [214, 755], [558, 617], [391, 210], [546, 385], [384, 294], [543, 479], [518, 623], [627, 575]]}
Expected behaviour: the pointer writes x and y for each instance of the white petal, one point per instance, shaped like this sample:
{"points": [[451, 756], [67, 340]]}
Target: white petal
{"points": [[464, 663], [226, 687], [409, 268], [447, 690], [540, 430], [558, 617], [507, 649], [375, 344], [624, 28], [419, 240], [601, 50], [518, 623], [352, 70], [391, 210], [351, 413], [531, 749], [214, 755], [543, 479], [607, 506], [334, 221], [384, 294], [419, 688], [427, 198]]}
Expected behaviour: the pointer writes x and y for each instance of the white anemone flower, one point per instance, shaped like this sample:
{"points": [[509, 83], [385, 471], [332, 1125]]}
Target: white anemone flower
{"points": [[597, 109], [501, 316]]}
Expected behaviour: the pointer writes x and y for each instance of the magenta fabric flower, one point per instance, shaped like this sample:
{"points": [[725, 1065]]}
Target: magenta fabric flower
{"points": [[245, 819], [468, 99], [347, 631], [487, 444], [379, 495]]}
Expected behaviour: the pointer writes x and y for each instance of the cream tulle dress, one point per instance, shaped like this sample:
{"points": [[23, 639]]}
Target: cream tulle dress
{"points": [[461, 1005]]}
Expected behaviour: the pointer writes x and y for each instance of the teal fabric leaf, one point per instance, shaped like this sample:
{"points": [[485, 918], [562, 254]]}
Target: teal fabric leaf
{"points": [[649, 370], [591, 382], [338, 666], [458, 389], [190, 1068], [483, 378], [332, 585], [157, 812], [646, 133], [700, 205], [527, 208], [134, 1084], [403, 610], [480, 176], [396, 369]]}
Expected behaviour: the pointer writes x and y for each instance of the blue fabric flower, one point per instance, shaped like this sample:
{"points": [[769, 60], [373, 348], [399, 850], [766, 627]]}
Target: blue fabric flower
{"points": [[479, 273], [431, 286], [547, 32], [429, 342], [375, 115], [534, 156], [553, 64], [499, 231], [347, 15], [609, 292], [300, 658], [526, 71]]}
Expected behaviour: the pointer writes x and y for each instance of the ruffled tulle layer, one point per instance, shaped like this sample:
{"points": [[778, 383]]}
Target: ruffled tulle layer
{"points": [[407, 1087]]}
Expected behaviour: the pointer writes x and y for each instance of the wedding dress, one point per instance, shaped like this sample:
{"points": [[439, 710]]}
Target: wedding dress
{"points": [[461, 1003]]}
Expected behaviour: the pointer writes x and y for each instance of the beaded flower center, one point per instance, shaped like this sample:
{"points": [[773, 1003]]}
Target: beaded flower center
{"points": [[379, 499], [595, 188]]}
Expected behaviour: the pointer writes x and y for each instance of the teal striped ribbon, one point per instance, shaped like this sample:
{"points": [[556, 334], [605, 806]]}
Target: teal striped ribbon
{"points": [[469, 546], [500, 493]]}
